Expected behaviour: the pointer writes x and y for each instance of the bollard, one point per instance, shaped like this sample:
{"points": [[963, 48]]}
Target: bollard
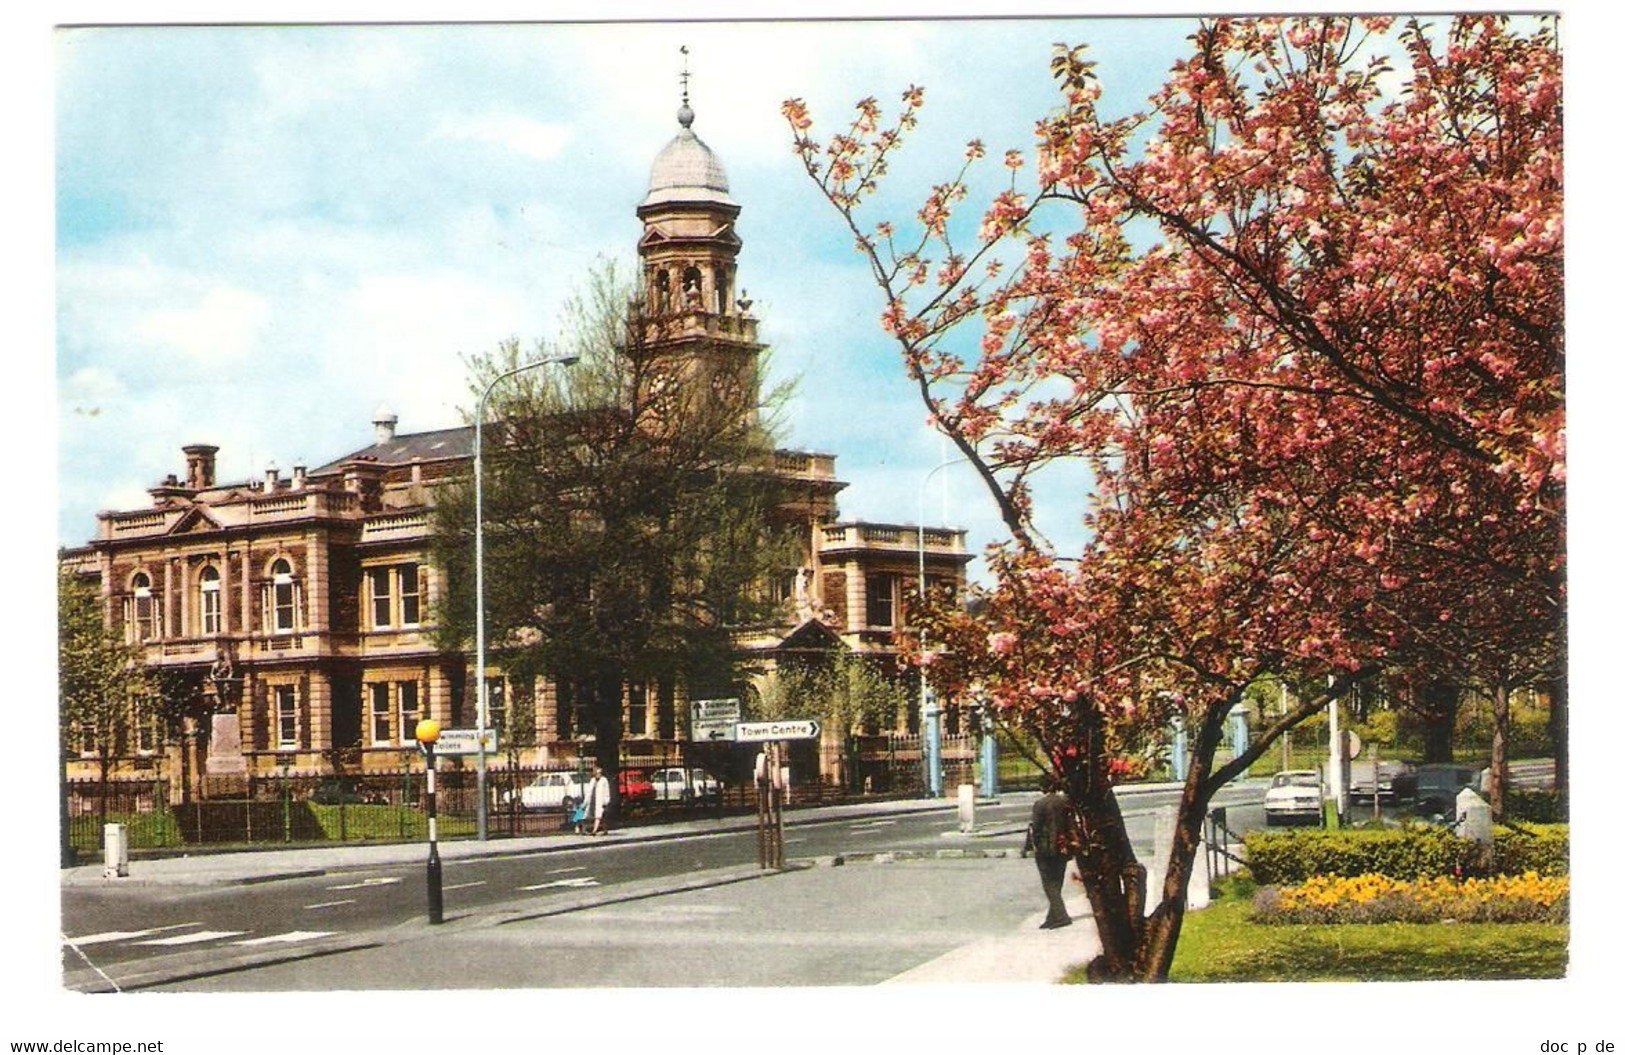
{"points": [[115, 851], [1473, 824], [967, 808]]}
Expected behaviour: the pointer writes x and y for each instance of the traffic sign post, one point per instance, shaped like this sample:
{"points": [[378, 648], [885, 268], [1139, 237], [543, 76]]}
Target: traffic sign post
{"points": [[770, 806], [765, 732], [465, 742], [771, 779], [712, 721]]}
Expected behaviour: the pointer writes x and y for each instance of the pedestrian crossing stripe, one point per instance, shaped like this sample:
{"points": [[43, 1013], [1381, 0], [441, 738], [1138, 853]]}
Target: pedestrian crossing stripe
{"points": [[194, 938], [125, 935], [290, 936]]}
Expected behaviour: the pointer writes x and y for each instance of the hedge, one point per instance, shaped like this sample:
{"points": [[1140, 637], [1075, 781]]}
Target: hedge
{"points": [[1276, 858]]}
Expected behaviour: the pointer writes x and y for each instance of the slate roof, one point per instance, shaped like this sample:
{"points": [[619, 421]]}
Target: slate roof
{"points": [[434, 446]]}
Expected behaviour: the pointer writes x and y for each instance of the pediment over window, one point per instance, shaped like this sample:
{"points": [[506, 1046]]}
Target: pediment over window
{"points": [[811, 636], [195, 521]]}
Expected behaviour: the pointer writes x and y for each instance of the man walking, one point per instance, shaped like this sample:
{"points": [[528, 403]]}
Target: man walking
{"points": [[1052, 830]]}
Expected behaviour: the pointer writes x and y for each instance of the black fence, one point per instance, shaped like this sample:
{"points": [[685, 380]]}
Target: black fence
{"points": [[277, 809]]}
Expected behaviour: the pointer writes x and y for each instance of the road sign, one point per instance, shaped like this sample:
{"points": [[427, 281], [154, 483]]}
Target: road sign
{"points": [[463, 741], [712, 720], [761, 732]]}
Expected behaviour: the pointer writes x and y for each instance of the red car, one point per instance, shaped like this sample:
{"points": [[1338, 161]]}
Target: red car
{"points": [[634, 788]]}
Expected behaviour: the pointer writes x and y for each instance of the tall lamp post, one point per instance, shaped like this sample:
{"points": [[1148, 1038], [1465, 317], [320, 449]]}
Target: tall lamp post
{"points": [[482, 712], [930, 713]]}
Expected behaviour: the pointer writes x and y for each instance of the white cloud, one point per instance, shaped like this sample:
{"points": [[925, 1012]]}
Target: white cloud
{"points": [[85, 389], [540, 140], [224, 324]]}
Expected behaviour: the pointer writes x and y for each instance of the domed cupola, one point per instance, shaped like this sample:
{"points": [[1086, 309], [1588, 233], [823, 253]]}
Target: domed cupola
{"points": [[686, 170], [689, 245]]}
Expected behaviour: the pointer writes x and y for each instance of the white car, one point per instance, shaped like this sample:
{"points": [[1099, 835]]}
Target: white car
{"points": [[1294, 795], [550, 791], [677, 785]]}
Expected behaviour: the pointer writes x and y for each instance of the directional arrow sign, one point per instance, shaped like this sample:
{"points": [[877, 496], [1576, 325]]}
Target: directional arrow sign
{"points": [[760, 732]]}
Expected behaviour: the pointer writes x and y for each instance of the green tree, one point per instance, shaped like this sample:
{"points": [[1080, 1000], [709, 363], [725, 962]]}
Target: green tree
{"points": [[846, 693], [102, 686], [630, 510]]}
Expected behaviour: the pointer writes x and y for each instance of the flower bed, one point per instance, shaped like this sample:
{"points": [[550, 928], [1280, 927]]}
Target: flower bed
{"points": [[1527, 898]]}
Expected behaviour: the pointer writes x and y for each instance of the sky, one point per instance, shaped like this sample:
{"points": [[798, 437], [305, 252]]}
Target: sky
{"points": [[264, 233], [253, 237]]}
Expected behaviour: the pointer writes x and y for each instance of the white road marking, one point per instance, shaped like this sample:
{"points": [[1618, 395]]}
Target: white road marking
{"points": [[122, 935], [460, 886], [374, 881], [561, 871], [193, 939], [290, 936], [330, 904], [871, 824], [578, 882]]}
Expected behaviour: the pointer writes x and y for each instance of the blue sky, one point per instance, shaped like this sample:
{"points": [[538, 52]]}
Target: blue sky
{"points": [[263, 233]]}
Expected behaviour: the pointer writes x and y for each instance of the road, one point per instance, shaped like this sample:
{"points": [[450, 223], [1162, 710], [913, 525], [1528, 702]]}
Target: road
{"points": [[204, 928]]}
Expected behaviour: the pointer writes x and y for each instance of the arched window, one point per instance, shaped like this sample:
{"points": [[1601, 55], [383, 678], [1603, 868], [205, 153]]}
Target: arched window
{"points": [[208, 587], [692, 283], [284, 597], [143, 608], [662, 291]]}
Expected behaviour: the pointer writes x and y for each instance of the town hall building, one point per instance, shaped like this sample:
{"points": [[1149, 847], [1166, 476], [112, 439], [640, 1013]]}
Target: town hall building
{"points": [[294, 611]]}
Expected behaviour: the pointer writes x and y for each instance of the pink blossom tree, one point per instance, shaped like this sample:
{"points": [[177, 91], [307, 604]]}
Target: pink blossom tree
{"points": [[1302, 317]]}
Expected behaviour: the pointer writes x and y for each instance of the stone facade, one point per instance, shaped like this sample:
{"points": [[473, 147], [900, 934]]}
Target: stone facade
{"points": [[299, 606]]}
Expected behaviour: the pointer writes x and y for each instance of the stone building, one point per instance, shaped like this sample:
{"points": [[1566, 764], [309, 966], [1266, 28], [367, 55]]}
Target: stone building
{"points": [[293, 610]]}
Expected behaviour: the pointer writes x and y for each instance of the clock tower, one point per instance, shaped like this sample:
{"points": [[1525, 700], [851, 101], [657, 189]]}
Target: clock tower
{"points": [[692, 315]]}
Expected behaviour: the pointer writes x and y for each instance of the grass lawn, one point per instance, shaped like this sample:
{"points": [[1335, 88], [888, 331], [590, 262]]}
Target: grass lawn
{"points": [[1218, 944]]}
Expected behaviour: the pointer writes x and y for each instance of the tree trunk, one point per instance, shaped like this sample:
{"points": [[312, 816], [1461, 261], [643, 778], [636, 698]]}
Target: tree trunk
{"points": [[1437, 710], [1501, 711], [1557, 727], [608, 686], [1161, 932]]}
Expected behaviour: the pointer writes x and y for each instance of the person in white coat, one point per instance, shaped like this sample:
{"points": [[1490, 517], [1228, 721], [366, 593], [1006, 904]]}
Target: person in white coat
{"points": [[597, 800]]}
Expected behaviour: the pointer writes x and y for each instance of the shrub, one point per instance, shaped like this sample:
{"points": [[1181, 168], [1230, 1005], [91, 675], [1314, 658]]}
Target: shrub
{"points": [[1277, 858], [1283, 858], [1537, 806], [1527, 898], [1543, 849]]}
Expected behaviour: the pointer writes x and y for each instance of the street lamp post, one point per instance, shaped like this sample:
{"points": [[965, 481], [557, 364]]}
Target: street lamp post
{"points": [[930, 713], [426, 733], [481, 709]]}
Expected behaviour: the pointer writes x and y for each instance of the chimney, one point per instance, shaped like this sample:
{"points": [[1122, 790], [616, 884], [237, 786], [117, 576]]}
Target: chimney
{"points": [[298, 482], [383, 423], [199, 465], [270, 477]]}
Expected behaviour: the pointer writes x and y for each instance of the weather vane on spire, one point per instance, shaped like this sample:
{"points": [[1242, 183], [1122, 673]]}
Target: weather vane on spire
{"points": [[685, 115]]}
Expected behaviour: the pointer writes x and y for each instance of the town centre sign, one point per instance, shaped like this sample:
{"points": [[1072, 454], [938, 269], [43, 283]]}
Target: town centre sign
{"points": [[762, 732]]}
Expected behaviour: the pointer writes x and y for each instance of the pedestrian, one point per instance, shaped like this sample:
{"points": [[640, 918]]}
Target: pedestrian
{"points": [[597, 800], [1053, 838]]}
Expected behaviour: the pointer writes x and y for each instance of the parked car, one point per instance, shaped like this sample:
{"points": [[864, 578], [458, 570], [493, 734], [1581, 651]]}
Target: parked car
{"points": [[334, 792], [635, 789], [684, 785], [551, 791], [1438, 784], [1294, 795], [1395, 780]]}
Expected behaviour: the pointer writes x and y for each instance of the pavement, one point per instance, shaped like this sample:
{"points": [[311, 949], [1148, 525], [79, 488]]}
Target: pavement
{"points": [[1024, 954]]}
